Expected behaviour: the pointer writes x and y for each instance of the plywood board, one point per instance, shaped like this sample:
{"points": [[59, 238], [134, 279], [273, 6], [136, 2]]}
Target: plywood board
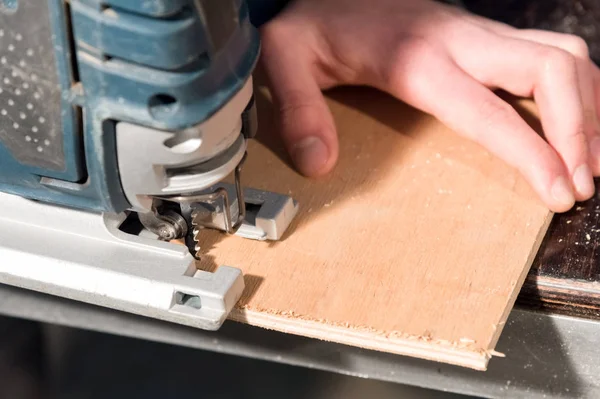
{"points": [[417, 244]]}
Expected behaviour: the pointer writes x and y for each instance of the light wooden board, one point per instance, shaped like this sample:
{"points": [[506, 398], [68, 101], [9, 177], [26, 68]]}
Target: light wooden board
{"points": [[417, 244]]}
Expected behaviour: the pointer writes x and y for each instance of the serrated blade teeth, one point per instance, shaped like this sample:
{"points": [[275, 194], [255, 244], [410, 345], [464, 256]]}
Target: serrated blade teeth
{"points": [[196, 233], [194, 218]]}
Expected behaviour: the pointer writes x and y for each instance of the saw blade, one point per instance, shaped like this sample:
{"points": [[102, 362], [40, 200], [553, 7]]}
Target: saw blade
{"points": [[196, 227]]}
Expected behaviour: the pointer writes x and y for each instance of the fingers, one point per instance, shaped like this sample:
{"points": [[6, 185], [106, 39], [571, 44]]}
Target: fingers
{"points": [[551, 76], [483, 117], [589, 84], [306, 125], [558, 95]]}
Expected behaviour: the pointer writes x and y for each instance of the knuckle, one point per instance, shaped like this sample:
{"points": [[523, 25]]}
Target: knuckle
{"points": [[494, 111], [271, 35], [279, 34], [543, 163], [270, 31], [414, 45], [574, 133], [576, 45], [576, 144], [407, 66], [577, 134], [557, 61], [494, 115], [295, 100]]}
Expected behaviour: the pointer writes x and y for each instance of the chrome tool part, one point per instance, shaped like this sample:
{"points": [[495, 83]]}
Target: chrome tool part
{"points": [[225, 207], [268, 215], [229, 225], [167, 226]]}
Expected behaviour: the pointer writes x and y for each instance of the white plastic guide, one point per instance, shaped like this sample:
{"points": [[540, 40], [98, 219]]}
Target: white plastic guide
{"points": [[84, 256]]}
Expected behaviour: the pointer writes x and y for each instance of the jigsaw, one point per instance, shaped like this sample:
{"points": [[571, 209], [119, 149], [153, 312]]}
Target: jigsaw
{"points": [[123, 127]]}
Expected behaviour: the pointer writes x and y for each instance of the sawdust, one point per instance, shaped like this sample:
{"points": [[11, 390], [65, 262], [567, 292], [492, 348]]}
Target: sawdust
{"points": [[463, 344]]}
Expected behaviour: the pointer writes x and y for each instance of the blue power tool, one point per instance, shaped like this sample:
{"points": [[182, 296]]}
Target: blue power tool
{"points": [[119, 122]]}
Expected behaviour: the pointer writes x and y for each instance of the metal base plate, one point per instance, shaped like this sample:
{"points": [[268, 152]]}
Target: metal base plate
{"points": [[84, 256]]}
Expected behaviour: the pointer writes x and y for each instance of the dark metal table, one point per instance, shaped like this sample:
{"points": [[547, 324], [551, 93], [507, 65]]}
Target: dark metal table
{"points": [[565, 277]]}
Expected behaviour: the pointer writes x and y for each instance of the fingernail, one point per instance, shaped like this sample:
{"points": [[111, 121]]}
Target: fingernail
{"points": [[310, 155], [561, 192], [583, 181], [595, 148]]}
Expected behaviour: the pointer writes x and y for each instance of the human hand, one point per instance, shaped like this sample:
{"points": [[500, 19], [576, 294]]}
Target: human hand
{"points": [[445, 62]]}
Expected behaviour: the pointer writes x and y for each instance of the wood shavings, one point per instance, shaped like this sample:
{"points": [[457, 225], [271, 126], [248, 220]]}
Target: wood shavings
{"points": [[494, 352], [463, 344]]}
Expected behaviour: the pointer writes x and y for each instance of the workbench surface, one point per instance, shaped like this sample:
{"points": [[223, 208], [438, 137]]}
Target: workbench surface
{"points": [[565, 277]]}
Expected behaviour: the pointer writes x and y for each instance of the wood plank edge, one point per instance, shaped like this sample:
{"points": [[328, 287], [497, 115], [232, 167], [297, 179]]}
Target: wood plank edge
{"points": [[521, 280], [428, 350]]}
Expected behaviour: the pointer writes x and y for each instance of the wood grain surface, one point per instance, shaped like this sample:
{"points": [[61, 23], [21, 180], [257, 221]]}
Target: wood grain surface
{"points": [[417, 243]]}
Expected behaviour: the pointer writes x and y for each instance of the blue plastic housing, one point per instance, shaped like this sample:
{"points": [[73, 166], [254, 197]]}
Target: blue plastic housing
{"points": [[165, 64]]}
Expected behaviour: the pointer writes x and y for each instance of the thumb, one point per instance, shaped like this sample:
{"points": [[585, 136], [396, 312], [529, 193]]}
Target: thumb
{"points": [[305, 122]]}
